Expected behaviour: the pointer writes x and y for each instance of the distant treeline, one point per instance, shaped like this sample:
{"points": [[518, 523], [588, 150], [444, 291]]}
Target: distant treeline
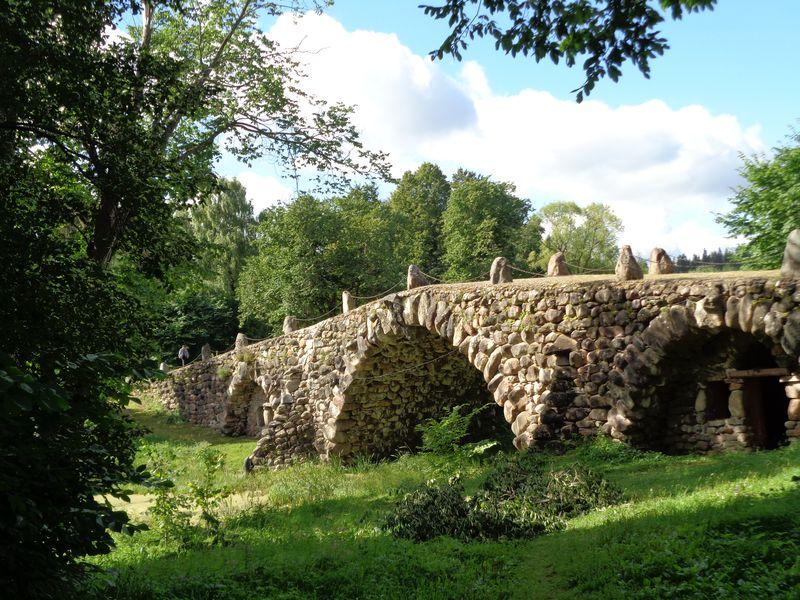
{"points": [[721, 259]]}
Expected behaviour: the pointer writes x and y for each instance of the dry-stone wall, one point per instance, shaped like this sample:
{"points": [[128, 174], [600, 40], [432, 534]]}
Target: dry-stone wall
{"points": [[562, 356]]}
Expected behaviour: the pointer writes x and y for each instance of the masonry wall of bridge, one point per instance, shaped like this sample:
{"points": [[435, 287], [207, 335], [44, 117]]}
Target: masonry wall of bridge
{"points": [[671, 362]]}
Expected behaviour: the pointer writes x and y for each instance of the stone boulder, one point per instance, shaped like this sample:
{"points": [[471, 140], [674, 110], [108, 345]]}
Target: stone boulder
{"points": [[289, 324], [415, 278], [790, 268], [660, 262], [348, 303], [500, 271], [241, 341], [627, 266], [205, 352], [557, 265]]}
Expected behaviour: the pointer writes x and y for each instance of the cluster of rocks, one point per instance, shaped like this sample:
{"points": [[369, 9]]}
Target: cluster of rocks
{"points": [[561, 358]]}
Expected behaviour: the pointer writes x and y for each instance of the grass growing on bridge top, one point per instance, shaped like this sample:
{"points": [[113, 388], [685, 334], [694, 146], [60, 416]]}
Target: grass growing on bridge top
{"points": [[720, 526]]}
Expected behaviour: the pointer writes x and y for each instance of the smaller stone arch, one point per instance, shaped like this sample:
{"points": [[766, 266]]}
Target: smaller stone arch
{"points": [[243, 412], [688, 357]]}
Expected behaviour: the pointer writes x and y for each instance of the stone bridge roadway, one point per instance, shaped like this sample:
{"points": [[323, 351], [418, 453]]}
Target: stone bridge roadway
{"points": [[676, 362]]}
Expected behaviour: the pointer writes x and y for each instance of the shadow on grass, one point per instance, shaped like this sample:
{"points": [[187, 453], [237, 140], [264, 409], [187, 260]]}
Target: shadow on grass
{"points": [[744, 547], [686, 474]]}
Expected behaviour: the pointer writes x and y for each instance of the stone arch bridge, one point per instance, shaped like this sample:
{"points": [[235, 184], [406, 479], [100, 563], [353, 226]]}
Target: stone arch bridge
{"points": [[674, 362]]}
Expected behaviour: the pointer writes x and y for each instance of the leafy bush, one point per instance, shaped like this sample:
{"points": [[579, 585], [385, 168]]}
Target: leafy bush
{"points": [[573, 491], [63, 445], [445, 435], [173, 507], [433, 510], [520, 498], [513, 473]]}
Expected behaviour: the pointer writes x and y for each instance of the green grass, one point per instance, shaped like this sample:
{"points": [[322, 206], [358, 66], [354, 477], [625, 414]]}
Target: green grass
{"points": [[717, 526], [167, 431]]}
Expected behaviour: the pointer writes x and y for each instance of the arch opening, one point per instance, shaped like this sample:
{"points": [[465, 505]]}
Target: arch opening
{"points": [[721, 391], [407, 380]]}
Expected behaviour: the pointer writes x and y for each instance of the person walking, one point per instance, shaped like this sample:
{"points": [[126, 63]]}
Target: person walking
{"points": [[183, 355]]}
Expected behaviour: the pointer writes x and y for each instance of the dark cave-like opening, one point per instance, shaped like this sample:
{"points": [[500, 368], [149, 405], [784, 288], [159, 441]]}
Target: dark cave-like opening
{"points": [[721, 391]]}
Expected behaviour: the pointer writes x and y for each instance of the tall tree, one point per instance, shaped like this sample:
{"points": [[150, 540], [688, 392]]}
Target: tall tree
{"points": [[139, 117], [65, 440], [311, 250], [529, 240], [768, 207], [603, 33], [223, 225], [418, 204], [481, 221], [586, 235]]}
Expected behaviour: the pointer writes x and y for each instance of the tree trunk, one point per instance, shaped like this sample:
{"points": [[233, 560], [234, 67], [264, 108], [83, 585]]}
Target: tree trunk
{"points": [[102, 246]]}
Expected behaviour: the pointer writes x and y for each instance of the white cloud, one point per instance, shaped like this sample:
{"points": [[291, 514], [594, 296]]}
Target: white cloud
{"points": [[665, 171], [264, 191]]}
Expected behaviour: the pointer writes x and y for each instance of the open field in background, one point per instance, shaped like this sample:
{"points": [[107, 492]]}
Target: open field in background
{"points": [[717, 526]]}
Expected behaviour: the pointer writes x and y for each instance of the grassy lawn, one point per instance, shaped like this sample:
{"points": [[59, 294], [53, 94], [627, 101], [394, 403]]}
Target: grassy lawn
{"points": [[722, 526]]}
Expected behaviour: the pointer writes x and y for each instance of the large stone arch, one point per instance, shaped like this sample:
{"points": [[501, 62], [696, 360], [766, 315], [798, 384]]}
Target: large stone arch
{"points": [[417, 358], [659, 381]]}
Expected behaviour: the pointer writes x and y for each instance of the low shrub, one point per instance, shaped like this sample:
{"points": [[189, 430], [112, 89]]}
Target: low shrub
{"points": [[433, 510], [520, 498], [445, 435], [174, 507]]}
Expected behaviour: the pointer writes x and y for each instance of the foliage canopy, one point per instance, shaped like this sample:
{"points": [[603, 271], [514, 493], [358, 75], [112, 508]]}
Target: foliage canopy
{"points": [[604, 33], [767, 209]]}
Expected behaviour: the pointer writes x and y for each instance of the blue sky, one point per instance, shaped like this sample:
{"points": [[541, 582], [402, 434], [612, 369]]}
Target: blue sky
{"points": [[663, 152], [742, 58]]}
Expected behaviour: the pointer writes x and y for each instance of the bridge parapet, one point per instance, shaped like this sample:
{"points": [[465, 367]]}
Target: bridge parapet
{"points": [[562, 357]]}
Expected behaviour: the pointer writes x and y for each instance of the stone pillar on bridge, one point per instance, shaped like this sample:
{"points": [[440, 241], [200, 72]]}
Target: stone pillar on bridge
{"points": [[660, 262], [241, 341], [205, 352], [164, 367], [348, 303], [289, 324], [627, 266], [790, 268], [415, 278], [557, 265], [500, 271]]}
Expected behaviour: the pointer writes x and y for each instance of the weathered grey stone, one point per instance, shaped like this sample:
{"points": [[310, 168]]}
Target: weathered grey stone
{"points": [[700, 402], [500, 272], [241, 341], [790, 267], [415, 278], [205, 352], [627, 267], [561, 345], [164, 367], [794, 409], [736, 404], [660, 262], [348, 303], [557, 265], [520, 423], [289, 324]]}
